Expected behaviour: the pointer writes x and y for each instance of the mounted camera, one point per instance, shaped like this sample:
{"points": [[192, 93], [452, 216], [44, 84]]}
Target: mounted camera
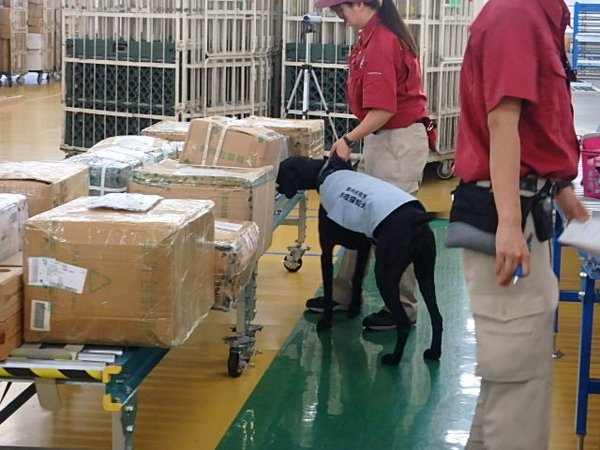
{"points": [[312, 18]]}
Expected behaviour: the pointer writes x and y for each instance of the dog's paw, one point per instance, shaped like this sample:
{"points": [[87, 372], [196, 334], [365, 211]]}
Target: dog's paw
{"points": [[324, 324], [390, 359], [432, 354], [353, 311]]}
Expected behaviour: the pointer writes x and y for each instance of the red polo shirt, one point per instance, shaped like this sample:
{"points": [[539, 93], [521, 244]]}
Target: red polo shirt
{"points": [[514, 50], [385, 74]]}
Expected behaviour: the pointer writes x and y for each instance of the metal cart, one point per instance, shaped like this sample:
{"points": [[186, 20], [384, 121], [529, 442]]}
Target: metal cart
{"points": [[122, 369]]}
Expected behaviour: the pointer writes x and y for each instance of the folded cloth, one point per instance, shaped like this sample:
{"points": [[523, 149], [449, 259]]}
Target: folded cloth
{"points": [[584, 236], [461, 234]]}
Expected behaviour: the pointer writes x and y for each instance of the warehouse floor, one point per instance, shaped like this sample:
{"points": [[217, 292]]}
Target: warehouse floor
{"points": [[302, 392]]}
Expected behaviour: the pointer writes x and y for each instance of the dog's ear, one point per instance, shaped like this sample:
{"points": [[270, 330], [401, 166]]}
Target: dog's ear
{"points": [[338, 163]]}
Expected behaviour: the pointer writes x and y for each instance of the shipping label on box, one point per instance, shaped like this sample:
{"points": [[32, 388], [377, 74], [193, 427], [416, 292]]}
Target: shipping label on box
{"points": [[236, 245], [104, 276], [239, 193], [159, 149], [218, 142], [46, 184]]}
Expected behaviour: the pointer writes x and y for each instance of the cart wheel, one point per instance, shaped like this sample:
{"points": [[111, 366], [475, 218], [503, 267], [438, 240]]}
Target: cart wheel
{"points": [[292, 264], [9, 81], [445, 169], [20, 79], [233, 364], [48, 77], [40, 78]]}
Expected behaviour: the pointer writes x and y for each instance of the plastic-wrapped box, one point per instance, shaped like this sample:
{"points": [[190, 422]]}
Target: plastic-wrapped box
{"points": [[11, 309], [109, 168], [236, 245], [170, 130], [46, 184], [108, 276], [218, 141], [306, 136], [13, 212], [158, 148], [239, 193]]}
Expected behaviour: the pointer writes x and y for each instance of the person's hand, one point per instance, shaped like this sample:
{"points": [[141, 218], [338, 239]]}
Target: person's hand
{"points": [[511, 251], [340, 148], [571, 205]]}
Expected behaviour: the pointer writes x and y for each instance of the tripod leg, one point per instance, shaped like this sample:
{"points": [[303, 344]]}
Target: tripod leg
{"points": [[324, 103], [293, 93]]}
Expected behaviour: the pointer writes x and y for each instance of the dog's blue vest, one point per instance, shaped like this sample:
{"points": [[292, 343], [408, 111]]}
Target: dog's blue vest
{"points": [[359, 202]]}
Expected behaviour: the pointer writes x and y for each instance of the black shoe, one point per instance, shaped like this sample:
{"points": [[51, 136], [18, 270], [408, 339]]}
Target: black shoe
{"points": [[317, 304], [380, 321]]}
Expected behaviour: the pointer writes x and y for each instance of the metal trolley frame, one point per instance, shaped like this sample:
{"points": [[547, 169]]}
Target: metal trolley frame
{"points": [[122, 369]]}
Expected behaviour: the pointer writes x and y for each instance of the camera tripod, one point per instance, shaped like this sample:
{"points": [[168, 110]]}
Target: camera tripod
{"points": [[305, 75]]}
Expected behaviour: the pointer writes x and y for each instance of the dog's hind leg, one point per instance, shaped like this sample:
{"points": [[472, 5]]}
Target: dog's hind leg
{"points": [[390, 264], [327, 275], [362, 260], [424, 264]]}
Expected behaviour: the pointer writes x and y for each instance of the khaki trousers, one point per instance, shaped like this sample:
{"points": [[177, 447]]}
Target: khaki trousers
{"points": [[397, 156], [514, 334]]}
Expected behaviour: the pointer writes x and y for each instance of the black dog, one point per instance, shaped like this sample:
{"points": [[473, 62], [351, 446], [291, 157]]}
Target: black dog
{"points": [[402, 236]]}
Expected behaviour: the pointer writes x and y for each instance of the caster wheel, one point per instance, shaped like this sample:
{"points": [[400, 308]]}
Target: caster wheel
{"points": [[48, 78], [20, 80], [9, 82], [40, 78], [233, 364], [291, 264], [445, 169]]}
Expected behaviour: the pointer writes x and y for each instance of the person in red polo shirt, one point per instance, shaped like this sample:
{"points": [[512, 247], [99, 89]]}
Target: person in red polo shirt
{"points": [[516, 125], [385, 92]]}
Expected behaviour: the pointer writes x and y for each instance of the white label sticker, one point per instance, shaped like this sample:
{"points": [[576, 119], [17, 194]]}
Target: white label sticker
{"points": [[40, 315], [52, 273]]}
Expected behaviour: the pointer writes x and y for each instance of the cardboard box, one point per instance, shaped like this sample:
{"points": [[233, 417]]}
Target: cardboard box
{"points": [[170, 130], [109, 167], [46, 184], [218, 142], [5, 19], [238, 193], [128, 278], [306, 137], [5, 65], [13, 212], [11, 310], [14, 261], [5, 34], [158, 148], [236, 245]]}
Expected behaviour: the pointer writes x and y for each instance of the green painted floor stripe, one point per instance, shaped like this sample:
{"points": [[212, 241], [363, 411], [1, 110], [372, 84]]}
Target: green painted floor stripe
{"points": [[332, 392]]}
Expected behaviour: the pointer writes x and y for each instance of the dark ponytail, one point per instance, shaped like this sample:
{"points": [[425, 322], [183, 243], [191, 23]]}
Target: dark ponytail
{"points": [[391, 18]]}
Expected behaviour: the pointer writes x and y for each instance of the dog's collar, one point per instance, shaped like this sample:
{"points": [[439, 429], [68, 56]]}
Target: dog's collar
{"points": [[323, 172]]}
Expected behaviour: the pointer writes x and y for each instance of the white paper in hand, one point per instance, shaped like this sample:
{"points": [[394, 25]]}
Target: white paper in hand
{"points": [[583, 235]]}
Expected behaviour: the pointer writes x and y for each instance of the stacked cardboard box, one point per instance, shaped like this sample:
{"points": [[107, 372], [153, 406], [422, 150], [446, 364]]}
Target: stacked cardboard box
{"points": [[5, 36], [158, 148], [306, 137], [236, 244], [35, 16], [105, 276], [170, 130], [13, 212], [46, 184], [239, 193], [218, 141], [11, 309]]}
